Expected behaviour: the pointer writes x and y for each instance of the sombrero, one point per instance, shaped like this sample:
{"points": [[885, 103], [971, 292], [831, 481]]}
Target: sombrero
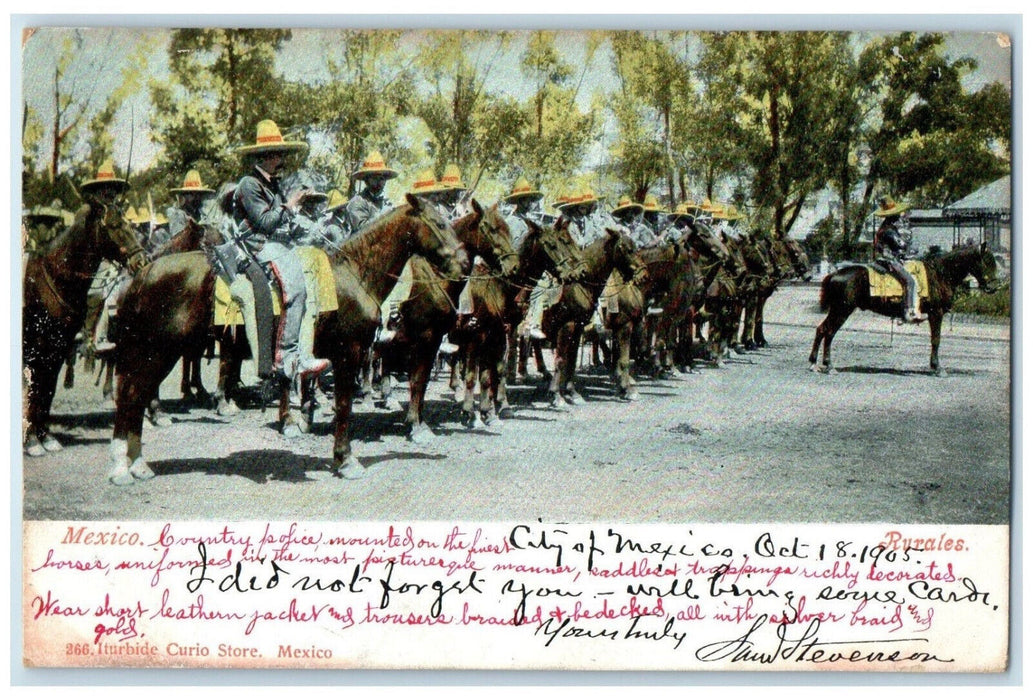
{"points": [[268, 139], [426, 183], [888, 207], [143, 216], [685, 211], [452, 179], [313, 195], [374, 165], [106, 178], [587, 196], [650, 204], [731, 213], [624, 204], [43, 214], [336, 200], [131, 215], [192, 183], [522, 190]]}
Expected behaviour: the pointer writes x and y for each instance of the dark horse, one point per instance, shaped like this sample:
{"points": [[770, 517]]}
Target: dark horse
{"points": [[168, 309], [564, 321], [430, 310], [499, 305], [848, 289], [54, 305]]}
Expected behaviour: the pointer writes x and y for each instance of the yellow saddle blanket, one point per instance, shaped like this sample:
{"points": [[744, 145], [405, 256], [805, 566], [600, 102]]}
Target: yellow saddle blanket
{"points": [[883, 284], [319, 279]]}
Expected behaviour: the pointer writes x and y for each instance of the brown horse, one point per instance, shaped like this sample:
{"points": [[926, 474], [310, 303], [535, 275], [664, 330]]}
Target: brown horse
{"points": [[499, 305], [848, 289], [168, 309], [564, 321], [54, 305], [679, 274], [789, 260], [430, 311]]}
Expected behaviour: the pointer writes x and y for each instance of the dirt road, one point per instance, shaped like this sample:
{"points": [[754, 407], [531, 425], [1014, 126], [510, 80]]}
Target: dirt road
{"points": [[763, 439]]}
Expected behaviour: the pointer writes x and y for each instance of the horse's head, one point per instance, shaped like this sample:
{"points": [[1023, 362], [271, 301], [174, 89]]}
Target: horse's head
{"points": [[431, 237], [495, 243], [116, 239], [985, 270], [621, 252], [707, 243], [564, 255]]}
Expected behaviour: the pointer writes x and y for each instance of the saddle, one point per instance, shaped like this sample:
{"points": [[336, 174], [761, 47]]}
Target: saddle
{"points": [[229, 312], [883, 284]]}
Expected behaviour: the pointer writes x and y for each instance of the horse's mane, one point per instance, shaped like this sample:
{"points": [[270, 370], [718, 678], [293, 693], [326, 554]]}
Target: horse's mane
{"points": [[356, 249]]}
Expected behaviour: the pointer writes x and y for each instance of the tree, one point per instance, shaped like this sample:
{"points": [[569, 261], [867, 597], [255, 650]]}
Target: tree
{"points": [[221, 85], [782, 89]]}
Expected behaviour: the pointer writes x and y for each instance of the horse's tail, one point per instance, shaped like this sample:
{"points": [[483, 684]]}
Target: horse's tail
{"points": [[823, 297]]}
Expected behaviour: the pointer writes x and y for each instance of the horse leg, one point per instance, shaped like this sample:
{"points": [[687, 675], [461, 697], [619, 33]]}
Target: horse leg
{"points": [[70, 367], [136, 390], [201, 395], [501, 378], [825, 332], [622, 340], [346, 369], [539, 359], [749, 321], [473, 415], [571, 366], [184, 381], [559, 365], [488, 386], [42, 376], [758, 323], [108, 390], [422, 360], [935, 325]]}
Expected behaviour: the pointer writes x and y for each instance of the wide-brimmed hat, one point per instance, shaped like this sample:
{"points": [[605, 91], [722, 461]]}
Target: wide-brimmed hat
{"points": [[105, 178], [426, 183], [314, 196], [131, 215], [143, 216], [685, 211], [452, 179], [44, 214], [374, 164], [888, 207], [584, 196], [625, 204], [192, 183], [718, 212], [268, 139], [336, 200], [731, 213], [651, 204], [522, 190]]}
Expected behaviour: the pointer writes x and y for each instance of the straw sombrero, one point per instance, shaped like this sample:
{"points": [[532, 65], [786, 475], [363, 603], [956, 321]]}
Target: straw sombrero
{"points": [[374, 165], [192, 183], [650, 204], [44, 214], [105, 178], [686, 211], [268, 139], [731, 213], [131, 215], [336, 200], [624, 204], [888, 207], [522, 190], [452, 179], [587, 196], [143, 216], [426, 183]]}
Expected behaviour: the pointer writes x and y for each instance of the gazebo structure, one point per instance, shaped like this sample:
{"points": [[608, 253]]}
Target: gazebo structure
{"points": [[988, 211]]}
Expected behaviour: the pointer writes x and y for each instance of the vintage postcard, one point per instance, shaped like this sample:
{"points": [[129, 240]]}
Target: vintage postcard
{"points": [[660, 348]]}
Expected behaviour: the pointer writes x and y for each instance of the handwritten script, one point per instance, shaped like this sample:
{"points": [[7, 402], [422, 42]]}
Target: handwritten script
{"points": [[516, 595]]}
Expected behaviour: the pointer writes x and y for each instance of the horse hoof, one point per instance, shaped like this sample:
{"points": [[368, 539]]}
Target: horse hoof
{"points": [[33, 448], [576, 399], [160, 420], [832, 370], [291, 431], [941, 372], [816, 369], [227, 408], [633, 395], [350, 469], [50, 444], [422, 435], [558, 401], [505, 412], [140, 470], [119, 475], [392, 405]]}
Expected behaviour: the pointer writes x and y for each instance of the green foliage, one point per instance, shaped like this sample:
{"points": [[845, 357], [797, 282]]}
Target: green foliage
{"points": [[997, 303]]}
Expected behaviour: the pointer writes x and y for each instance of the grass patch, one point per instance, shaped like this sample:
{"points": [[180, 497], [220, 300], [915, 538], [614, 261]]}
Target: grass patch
{"points": [[976, 302]]}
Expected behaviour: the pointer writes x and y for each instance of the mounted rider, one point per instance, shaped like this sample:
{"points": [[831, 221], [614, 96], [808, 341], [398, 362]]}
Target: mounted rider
{"points": [[335, 226], [453, 197], [370, 202], [191, 199], [265, 219], [629, 215], [42, 225], [525, 205], [891, 248], [654, 216]]}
